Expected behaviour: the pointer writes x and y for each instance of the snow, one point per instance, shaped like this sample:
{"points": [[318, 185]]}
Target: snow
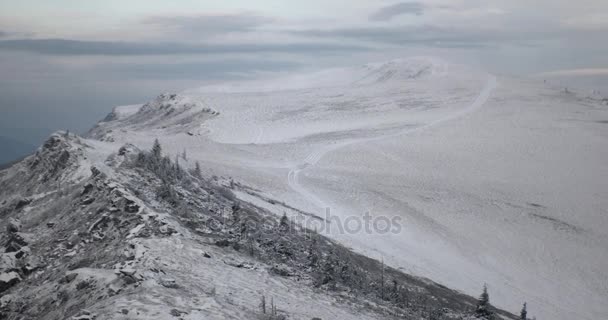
{"points": [[122, 112], [496, 180], [221, 291]]}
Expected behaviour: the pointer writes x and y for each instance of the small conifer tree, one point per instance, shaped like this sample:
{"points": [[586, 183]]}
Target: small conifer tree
{"points": [[157, 149], [483, 309]]}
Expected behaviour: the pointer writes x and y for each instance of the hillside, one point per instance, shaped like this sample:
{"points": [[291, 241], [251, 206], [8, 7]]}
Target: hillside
{"points": [[134, 236], [483, 179]]}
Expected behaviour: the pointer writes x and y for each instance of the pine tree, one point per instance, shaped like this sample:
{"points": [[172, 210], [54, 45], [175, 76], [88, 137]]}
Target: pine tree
{"points": [[382, 279], [157, 149], [483, 305], [263, 305], [197, 170], [284, 224], [524, 312]]}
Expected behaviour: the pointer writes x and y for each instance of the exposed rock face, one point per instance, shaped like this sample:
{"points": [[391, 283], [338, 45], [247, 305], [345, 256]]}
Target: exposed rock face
{"points": [[8, 280], [13, 225]]}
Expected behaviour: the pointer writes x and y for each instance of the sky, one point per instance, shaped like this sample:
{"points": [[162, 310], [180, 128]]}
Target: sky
{"points": [[65, 63]]}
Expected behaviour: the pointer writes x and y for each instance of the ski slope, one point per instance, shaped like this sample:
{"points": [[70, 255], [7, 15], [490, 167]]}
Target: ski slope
{"points": [[496, 180]]}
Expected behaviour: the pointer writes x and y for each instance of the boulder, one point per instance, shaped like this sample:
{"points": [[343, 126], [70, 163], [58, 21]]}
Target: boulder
{"points": [[169, 283], [68, 278], [32, 263], [165, 229], [177, 313], [128, 271], [13, 225], [16, 241], [131, 206], [8, 262], [8, 279]]}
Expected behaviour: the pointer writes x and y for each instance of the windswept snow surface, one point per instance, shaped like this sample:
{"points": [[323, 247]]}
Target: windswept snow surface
{"points": [[499, 181]]}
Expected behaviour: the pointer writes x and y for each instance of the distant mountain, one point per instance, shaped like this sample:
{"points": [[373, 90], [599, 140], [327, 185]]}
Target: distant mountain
{"points": [[13, 149]]}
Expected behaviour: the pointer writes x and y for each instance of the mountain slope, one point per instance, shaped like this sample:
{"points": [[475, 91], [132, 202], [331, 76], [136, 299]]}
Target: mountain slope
{"points": [[500, 182], [131, 235]]}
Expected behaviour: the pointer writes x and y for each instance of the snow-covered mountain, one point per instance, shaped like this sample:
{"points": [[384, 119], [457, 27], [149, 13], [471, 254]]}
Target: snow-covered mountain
{"points": [[491, 180]]}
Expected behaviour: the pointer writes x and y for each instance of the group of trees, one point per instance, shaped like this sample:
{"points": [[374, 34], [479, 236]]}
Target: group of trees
{"points": [[169, 172], [484, 309]]}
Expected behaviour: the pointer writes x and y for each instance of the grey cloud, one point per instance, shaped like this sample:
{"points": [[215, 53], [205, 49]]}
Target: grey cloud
{"points": [[389, 12], [210, 24], [109, 48]]}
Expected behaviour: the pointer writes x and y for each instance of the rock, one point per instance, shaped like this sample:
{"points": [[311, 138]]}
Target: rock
{"points": [[13, 225], [5, 301], [50, 224], [22, 203], [98, 223], [8, 262], [238, 264], [95, 172], [31, 264], [169, 283], [223, 243], [8, 279], [129, 279], [68, 278], [83, 285], [128, 271], [129, 254], [85, 317], [23, 252], [88, 201], [15, 242], [131, 207], [87, 188], [124, 311], [206, 255], [164, 229], [72, 241], [114, 289], [280, 271], [177, 313]]}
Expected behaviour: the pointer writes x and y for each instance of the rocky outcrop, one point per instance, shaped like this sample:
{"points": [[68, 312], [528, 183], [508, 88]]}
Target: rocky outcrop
{"points": [[8, 279]]}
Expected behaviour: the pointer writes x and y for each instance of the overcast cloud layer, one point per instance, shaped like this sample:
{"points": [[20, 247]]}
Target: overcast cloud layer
{"points": [[69, 62]]}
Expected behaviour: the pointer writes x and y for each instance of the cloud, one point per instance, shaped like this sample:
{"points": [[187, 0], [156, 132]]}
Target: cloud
{"points": [[389, 12], [210, 24], [3, 34], [110, 48]]}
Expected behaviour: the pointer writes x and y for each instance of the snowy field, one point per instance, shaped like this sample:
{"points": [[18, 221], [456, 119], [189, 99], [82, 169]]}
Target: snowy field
{"points": [[496, 180]]}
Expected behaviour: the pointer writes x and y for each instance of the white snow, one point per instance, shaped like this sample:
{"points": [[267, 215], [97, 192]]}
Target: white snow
{"points": [[499, 181]]}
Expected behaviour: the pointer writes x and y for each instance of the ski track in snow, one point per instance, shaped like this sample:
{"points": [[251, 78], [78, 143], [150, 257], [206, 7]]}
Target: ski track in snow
{"points": [[314, 157]]}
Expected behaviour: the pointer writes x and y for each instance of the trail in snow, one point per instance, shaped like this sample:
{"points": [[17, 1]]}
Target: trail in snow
{"points": [[318, 154]]}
